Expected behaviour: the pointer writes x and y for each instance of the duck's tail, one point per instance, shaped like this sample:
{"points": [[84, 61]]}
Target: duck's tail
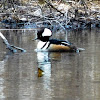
{"points": [[80, 49]]}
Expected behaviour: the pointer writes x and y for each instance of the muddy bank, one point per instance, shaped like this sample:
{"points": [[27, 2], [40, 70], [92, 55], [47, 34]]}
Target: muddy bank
{"points": [[66, 15]]}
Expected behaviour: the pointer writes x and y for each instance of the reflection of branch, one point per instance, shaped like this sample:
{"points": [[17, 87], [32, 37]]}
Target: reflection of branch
{"points": [[10, 47]]}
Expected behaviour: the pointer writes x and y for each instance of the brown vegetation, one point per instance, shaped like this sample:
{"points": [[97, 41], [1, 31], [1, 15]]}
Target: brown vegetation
{"points": [[62, 13]]}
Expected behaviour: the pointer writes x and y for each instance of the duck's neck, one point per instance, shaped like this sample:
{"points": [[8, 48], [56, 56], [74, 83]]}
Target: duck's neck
{"points": [[43, 45]]}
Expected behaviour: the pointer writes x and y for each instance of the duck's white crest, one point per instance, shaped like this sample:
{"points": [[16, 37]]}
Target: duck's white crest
{"points": [[47, 32]]}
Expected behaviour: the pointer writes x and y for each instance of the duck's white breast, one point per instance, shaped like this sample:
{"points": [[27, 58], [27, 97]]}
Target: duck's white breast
{"points": [[42, 45]]}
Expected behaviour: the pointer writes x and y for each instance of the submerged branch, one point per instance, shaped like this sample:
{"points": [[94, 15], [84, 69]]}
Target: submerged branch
{"points": [[12, 48]]}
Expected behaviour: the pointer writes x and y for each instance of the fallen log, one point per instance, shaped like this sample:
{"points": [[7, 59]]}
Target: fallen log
{"points": [[12, 48]]}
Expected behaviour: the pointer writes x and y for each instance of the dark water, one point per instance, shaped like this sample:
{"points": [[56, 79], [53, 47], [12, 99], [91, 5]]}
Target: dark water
{"points": [[50, 76]]}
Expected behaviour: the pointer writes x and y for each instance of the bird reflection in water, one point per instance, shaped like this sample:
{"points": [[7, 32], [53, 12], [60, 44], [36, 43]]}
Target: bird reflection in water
{"points": [[44, 62]]}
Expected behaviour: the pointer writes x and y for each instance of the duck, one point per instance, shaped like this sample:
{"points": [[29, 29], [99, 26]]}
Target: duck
{"points": [[54, 45]]}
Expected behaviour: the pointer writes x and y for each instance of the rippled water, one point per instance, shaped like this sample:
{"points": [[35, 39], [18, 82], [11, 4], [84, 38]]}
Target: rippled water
{"points": [[50, 76]]}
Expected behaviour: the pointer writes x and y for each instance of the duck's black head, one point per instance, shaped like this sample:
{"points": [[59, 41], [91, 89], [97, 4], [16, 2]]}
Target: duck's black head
{"points": [[44, 34]]}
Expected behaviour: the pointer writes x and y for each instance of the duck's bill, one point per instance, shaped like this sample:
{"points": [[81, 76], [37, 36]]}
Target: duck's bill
{"points": [[34, 39]]}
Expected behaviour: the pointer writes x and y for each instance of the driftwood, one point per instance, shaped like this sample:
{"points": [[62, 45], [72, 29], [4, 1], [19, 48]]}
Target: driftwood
{"points": [[12, 48]]}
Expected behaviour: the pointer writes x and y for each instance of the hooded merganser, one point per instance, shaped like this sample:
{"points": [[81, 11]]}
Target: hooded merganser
{"points": [[46, 43]]}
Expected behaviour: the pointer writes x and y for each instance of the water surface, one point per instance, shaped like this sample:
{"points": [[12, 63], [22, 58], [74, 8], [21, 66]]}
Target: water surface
{"points": [[50, 76]]}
